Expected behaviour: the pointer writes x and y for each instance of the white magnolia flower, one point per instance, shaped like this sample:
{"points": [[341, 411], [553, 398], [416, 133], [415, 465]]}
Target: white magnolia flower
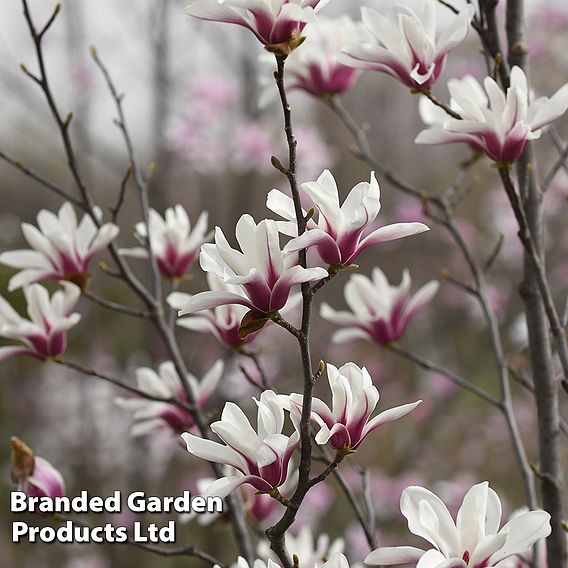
{"points": [[174, 243], [263, 273], [407, 45], [474, 540], [316, 68], [223, 322], [500, 125], [310, 551], [354, 398], [379, 312], [338, 232], [44, 334], [258, 563], [260, 457], [61, 249], [273, 22], [150, 415]]}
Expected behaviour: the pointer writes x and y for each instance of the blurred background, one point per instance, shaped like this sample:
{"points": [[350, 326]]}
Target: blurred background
{"points": [[192, 92]]}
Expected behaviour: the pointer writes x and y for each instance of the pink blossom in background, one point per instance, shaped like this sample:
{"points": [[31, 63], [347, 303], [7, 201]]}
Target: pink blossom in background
{"points": [[150, 415], [61, 248], [253, 146], [35, 476], [317, 69], [44, 334], [314, 153], [379, 312]]}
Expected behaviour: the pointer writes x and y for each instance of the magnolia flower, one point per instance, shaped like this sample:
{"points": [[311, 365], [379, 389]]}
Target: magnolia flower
{"points": [[407, 46], [316, 69], [498, 125], [311, 551], [354, 399], [223, 322], [61, 249], [45, 333], [260, 457], [273, 22], [174, 244], [379, 312], [35, 476], [150, 415], [338, 233], [242, 563], [263, 273], [474, 540]]}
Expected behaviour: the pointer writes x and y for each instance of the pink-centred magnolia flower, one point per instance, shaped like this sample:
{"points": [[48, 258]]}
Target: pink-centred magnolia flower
{"points": [[174, 243], [379, 312], [223, 322], [35, 476], [354, 398], [150, 415], [474, 540], [338, 233], [61, 249], [263, 273], [407, 45], [499, 125], [273, 22], [316, 68], [261, 457], [44, 334]]}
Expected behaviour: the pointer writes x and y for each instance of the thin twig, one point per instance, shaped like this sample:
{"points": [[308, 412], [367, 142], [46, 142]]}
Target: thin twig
{"points": [[118, 383], [453, 377], [116, 307]]}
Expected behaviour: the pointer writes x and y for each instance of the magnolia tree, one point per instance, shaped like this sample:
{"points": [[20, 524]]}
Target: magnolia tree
{"points": [[267, 469]]}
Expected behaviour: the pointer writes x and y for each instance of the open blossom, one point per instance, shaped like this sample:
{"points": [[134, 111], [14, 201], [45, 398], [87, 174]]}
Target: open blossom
{"points": [[311, 551], [354, 398], [407, 45], [174, 243], [500, 125], [338, 232], [150, 415], [45, 333], [273, 22], [316, 69], [35, 476], [223, 322], [263, 273], [261, 457], [474, 540], [379, 312], [61, 249]]}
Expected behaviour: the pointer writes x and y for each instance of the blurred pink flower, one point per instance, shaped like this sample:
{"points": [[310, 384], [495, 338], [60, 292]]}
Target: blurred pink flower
{"points": [[175, 244], [150, 415], [44, 335], [61, 248], [379, 312], [35, 476], [316, 68]]}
